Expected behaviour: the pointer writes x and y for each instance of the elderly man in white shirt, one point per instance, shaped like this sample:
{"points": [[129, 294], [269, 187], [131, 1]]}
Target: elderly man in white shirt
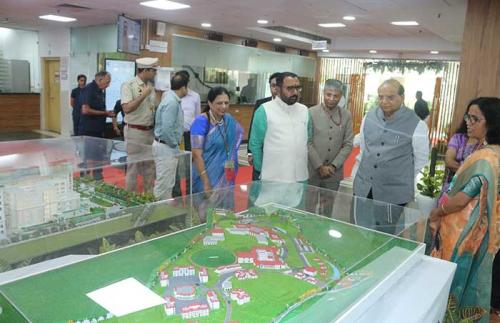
{"points": [[394, 147]]}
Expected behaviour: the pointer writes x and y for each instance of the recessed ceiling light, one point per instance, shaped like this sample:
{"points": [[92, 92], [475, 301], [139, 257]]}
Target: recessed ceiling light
{"points": [[373, 51], [262, 21], [165, 5], [278, 40], [332, 25], [325, 50], [206, 25], [57, 18], [350, 18], [434, 52], [405, 23]]}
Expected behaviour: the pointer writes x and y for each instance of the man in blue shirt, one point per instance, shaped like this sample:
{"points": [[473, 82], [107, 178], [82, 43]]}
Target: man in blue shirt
{"points": [[76, 102], [168, 131], [93, 120]]}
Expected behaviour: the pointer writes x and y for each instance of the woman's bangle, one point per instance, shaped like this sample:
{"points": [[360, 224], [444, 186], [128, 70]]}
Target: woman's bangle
{"points": [[442, 209], [204, 172]]}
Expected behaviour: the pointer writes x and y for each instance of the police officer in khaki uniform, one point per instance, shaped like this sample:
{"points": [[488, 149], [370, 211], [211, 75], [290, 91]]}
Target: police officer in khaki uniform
{"points": [[139, 101]]}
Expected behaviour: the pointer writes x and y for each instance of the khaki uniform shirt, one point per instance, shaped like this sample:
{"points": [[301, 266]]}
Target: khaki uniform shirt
{"points": [[144, 114]]}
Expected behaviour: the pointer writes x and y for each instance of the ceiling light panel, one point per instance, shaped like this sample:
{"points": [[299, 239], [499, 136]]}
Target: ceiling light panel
{"points": [[405, 23], [165, 5], [332, 25], [57, 18]]}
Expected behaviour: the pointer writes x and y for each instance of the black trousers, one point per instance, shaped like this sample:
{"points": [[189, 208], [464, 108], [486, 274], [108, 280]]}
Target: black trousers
{"points": [[176, 190]]}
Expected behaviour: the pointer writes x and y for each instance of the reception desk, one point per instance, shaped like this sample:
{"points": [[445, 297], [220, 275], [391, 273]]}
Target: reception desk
{"points": [[19, 112]]}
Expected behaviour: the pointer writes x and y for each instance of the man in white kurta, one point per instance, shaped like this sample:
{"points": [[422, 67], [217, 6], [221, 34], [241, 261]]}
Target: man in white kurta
{"points": [[281, 131]]}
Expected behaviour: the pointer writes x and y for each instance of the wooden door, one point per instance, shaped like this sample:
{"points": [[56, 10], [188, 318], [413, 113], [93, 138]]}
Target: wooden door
{"points": [[52, 93]]}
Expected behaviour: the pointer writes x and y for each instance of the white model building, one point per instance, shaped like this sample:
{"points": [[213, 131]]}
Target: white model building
{"points": [[29, 197], [213, 300], [195, 310], [203, 275]]}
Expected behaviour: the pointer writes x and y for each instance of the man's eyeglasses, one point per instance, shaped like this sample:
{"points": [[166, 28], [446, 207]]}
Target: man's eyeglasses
{"points": [[297, 88], [472, 118]]}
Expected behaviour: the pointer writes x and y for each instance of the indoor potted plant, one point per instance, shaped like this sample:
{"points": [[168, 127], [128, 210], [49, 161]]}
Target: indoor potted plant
{"points": [[429, 189]]}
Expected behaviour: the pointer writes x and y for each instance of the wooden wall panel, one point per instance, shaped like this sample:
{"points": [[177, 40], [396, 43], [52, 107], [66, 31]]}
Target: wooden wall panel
{"points": [[480, 61], [19, 112], [243, 114]]}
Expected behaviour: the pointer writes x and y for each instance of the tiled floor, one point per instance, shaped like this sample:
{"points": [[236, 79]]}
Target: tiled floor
{"points": [[10, 136]]}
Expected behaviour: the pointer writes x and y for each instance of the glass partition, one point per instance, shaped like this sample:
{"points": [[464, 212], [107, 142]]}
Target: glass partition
{"points": [[243, 70], [255, 252]]}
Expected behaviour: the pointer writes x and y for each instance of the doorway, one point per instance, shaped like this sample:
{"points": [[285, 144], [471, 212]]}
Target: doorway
{"points": [[52, 95]]}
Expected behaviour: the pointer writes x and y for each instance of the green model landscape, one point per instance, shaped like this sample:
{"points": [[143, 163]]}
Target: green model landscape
{"points": [[300, 270]]}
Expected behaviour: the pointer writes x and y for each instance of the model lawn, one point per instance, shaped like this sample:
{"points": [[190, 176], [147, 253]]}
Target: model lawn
{"points": [[245, 268]]}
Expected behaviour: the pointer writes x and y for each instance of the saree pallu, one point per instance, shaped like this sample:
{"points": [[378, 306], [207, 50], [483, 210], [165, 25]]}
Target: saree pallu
{"points": [[469, 239], [214, 140]]}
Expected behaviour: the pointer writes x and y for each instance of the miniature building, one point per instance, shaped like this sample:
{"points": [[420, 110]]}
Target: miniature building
{"points": [[240, 296], [262, 257], [213, 300], [203, 275], [169, 305], [227, 285], [210, 241], [246, 274], [227, 269], [194, 310], [183, 271], [36, 198], [310, 271], [184, 292], [163, 278], [218, 232]]}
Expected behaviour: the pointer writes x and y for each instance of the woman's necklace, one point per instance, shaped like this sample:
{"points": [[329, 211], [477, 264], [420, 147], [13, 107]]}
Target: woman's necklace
{"points": [[214, 120]]}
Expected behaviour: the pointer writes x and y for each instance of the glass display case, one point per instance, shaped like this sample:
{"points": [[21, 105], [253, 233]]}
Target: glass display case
{"points": [[65, 196], [255, 252]]}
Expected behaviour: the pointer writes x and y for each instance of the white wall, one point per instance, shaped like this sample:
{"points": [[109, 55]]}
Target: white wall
{"points": [[55, 43], [86, 43], [23, 45]]}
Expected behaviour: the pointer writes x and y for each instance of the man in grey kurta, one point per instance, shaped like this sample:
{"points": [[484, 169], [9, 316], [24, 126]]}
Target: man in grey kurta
{"points": [[394, 148], [331, 143]]}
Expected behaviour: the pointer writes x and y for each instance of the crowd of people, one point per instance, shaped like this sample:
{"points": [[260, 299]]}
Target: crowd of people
{"points": [[291, 143]]}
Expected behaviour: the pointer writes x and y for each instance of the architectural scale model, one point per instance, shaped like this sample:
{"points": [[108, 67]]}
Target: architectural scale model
{"points": [[279, 266], [49, 199]]}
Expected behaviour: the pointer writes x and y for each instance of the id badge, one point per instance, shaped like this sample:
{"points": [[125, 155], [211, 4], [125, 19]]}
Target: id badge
{"points": [[229, 170]]}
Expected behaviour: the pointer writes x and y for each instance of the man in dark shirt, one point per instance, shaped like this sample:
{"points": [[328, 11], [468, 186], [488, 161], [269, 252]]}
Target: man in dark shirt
{"points": [[118, 109], [421, 108], [93, 119], [274, 92], [76, 102]]}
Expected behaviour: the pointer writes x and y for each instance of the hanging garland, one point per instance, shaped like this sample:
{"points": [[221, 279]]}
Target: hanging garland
{"points": [[402, 65]]}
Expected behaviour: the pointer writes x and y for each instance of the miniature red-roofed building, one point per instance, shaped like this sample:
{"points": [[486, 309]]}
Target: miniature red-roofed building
{"points": [[163, 278], [195, 310], [213, 300], [218, 232], [203, 275], [310, 271], [240, 296], [169, 305], [245, 274]]}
